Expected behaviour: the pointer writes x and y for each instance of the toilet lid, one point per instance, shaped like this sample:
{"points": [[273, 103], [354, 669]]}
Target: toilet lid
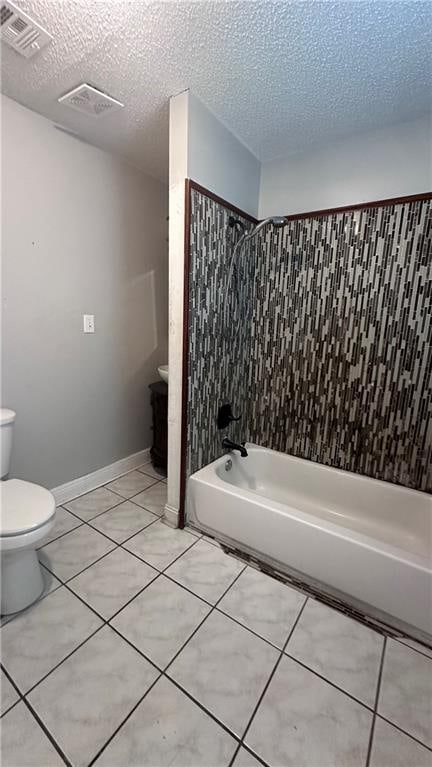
{"points": [[24, 506]]}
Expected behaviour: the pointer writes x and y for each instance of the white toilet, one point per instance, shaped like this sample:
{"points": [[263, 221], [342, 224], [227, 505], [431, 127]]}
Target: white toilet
{"points": [[27, 515]]}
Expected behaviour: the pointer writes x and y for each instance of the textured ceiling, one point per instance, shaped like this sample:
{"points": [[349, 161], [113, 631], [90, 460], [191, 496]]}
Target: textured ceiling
{"points": [[283, 76]]}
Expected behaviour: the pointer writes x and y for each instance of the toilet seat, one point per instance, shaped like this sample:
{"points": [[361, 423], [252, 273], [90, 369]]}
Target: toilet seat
{"points": [[25, 507]]}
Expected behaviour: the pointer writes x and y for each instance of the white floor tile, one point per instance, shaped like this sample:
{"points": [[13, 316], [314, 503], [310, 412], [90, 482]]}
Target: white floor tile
{"points": [[245, 759], [161, 619], [169, 730], [34, 642], [417, 646], [160, 544], [406, 691], [86, 698], [9, 695], [68, 555], [64, 522], [130, 484], [114, 580], [206, 570], [89, 505], [149, 469], [123, 521], [24, 743], [305, 722], [153, 499], [225, 668], [391, 748], [263, 604], [344, 651]]}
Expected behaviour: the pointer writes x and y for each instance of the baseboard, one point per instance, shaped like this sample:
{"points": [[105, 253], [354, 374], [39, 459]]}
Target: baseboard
{"points": [[171, 516], [70, 490]]}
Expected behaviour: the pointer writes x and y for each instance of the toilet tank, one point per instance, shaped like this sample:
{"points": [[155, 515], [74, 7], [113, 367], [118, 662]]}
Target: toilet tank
{"points": [[7, 420]]}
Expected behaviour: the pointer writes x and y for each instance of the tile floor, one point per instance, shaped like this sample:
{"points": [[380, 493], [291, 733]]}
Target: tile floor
{"points": [[152, 647]]}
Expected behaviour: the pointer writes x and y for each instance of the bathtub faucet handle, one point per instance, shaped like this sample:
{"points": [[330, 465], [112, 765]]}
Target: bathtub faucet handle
{"points": [[225, 416], [227, 444]]}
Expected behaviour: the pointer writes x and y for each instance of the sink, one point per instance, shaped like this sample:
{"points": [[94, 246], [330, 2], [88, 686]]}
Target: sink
{"points": [[163, 372]]}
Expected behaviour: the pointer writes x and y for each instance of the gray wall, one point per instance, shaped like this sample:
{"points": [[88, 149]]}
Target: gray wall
{"points": [[81, 233]]}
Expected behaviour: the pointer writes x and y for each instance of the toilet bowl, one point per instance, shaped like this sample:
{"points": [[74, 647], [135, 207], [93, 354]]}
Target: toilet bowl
{"points": [[27, 515]]}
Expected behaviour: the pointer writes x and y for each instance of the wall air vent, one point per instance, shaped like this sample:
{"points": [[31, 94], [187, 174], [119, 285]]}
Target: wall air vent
{"points": [[85, 98], [20, 31]]}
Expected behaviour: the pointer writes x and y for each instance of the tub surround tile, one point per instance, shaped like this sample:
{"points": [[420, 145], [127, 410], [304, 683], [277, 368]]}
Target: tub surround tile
{"points": [[263, 604], [160, 620], [406, 691], [206, 570], [225, 668], [91, 504], [86, 698], [130, 484], [392, 748], [303, 721], [9, 695], [24, 743], [339, 648], [35, 641], [64, 523], [114, 580], [160, 544], [154, 498], [123, 521], [68, 555], [168, 729]]}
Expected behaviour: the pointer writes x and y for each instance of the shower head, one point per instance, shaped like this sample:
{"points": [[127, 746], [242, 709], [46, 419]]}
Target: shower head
{"points": [[277, 221]]}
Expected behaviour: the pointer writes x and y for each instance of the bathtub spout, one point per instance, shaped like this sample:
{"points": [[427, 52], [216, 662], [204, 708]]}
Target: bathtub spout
{"points": [[226, 443]]}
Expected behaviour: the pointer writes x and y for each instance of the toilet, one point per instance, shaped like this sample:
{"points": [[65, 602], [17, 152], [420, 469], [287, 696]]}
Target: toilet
{"points": [[27, 515]]}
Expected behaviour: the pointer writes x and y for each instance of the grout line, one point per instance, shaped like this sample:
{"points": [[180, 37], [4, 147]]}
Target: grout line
{"points": [[47, 732], [418, 649], [112, 736], [129, 536], [375, 708], [332, 684], [213, 607], [16, 688], [60, 663], [173, 681], [260, 699], [397, 727], [62, 535]]}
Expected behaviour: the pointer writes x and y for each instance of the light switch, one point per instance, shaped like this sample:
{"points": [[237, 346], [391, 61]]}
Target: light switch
{"points": [[89, 323]]}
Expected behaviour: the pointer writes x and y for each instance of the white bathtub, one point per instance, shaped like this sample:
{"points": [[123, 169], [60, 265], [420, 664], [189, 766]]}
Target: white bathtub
{"points": [[367, 539]]}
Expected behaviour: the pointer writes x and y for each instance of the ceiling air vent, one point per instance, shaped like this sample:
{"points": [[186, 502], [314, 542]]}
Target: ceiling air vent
{"points": [[20, 31], [85, 98]]}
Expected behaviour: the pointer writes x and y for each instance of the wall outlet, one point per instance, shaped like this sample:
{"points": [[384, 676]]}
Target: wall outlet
{"points": [[88, 323]]}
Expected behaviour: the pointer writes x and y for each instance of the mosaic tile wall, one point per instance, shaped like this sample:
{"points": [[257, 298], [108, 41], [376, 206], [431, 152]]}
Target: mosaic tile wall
{"points": [[218, 357], [334, 359]]}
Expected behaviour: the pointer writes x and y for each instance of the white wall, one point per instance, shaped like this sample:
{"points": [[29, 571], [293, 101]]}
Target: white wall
{"points": [[82, 232], [219, 161], [392, 162], [203, 149]]}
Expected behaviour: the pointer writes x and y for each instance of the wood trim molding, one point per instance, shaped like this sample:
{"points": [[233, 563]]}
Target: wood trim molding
{"points": [[221, 201], [360, 205], [182, 507]]}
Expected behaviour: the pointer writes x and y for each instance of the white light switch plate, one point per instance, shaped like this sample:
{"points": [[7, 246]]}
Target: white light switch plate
{"points": [[89, 323]]}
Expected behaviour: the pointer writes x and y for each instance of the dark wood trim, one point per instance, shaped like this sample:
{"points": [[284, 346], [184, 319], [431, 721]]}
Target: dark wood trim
{"points": [[221, 201], [360, 205], [184, 410]]}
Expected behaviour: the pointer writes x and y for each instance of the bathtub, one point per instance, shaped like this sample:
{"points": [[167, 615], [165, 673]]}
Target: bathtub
{"points": [[368, 540]]}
